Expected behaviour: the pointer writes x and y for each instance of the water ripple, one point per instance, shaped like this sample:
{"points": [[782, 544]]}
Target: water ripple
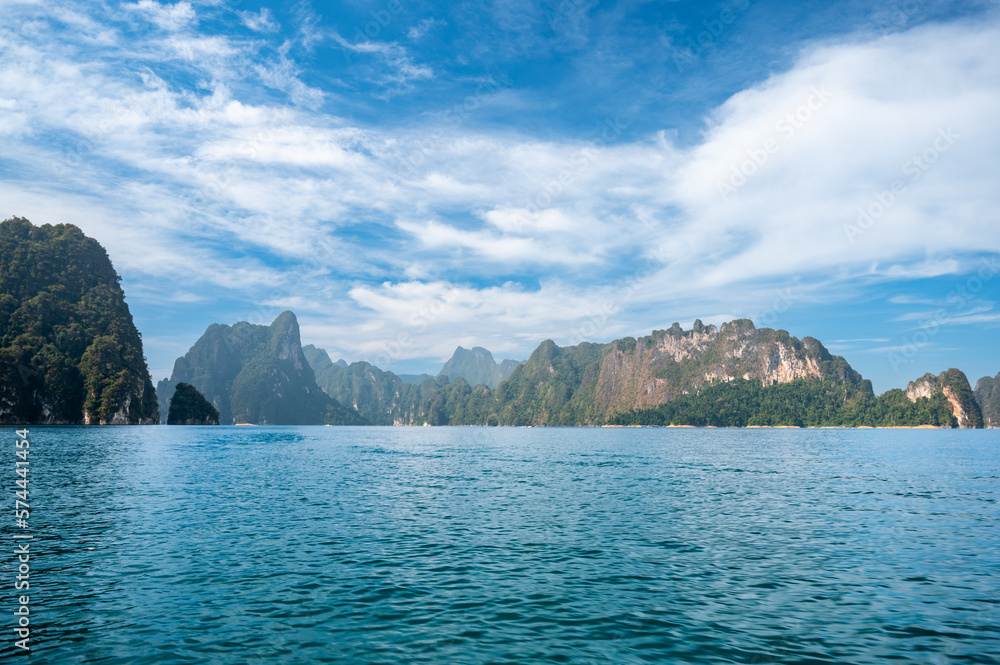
{"points": [[469, 545]]}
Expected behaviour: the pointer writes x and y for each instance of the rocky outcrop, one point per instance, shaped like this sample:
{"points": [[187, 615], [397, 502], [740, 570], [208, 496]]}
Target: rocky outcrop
{"points": [[988, 396], [588, 383], [954, 386], [189, 407], [382, 398]]}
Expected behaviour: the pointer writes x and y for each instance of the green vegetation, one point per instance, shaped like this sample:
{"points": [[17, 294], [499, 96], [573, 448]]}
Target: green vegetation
{"points": [[382, 398], [189, 407], [587, 384], [70, 353], [799, 403], [955, 385], [69, 350], [257, 374], [556, 386]]}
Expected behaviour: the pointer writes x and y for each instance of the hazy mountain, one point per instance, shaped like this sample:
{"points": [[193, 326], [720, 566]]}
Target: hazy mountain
{"points": [[415, 379], [69, 350], [478, 367], [256, 374], [382, 398], [736, 375]]}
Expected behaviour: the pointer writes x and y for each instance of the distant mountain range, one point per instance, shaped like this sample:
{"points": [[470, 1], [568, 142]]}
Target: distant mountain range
{"points": [[478, 367], [736, 376], [70, 353]]}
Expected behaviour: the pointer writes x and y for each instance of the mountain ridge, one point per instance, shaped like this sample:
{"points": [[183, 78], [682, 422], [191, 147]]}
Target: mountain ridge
{"points": [[592, 384], [256, 374], [477, 366]]}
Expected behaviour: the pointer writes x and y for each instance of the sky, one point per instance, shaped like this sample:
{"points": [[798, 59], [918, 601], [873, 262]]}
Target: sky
{"points": [[408, 177]]}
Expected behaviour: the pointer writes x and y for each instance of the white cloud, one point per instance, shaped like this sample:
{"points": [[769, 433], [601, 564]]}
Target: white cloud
{"points": [[885, 102], [166, 16], [260, 22], [423, 27], [440, 210], [401, 70], [506, 249]]}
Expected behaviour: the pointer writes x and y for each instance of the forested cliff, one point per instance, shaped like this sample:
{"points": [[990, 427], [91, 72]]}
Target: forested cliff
{"points": [[69, 350]]}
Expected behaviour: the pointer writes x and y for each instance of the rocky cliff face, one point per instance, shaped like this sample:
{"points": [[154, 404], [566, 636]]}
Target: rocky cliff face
{"points": [[657, 368], [591, 382], [988, 396], [256, 374], [954, 386]]}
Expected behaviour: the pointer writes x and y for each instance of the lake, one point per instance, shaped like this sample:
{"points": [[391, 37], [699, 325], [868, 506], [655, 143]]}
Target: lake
{"points": [[503, 545]]}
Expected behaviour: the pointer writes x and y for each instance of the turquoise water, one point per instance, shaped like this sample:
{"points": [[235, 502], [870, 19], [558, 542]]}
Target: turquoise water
{"points": [[471, 545]]}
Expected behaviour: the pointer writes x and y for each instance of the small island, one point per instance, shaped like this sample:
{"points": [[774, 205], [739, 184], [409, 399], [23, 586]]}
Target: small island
{"points": [[189, 407]]}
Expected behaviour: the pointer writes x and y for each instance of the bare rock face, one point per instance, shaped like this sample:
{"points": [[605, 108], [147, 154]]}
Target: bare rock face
{"points": [[591, 382], [659, 367], [954, 386], [925, 386]]}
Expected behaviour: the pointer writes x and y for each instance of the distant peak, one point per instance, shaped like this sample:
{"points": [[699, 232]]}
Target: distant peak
{"points": [[288, 316]]}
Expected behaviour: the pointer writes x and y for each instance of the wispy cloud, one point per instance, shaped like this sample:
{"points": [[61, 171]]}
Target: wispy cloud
{"points": [[173, 157], [167, 16], [424, 26], [262, 21]]}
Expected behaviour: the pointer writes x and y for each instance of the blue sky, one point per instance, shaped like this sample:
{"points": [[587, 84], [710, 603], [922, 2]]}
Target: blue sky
{"points": [[411, 176]]}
